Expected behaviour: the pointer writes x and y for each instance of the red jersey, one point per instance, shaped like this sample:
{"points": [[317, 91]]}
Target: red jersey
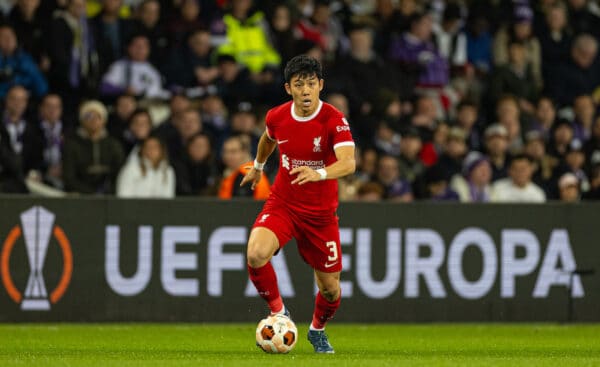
{"points": [[307, 141]]}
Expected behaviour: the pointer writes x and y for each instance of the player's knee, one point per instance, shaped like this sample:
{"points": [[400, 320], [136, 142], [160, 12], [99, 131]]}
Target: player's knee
{"points": [[258, 256], [330, 293]]}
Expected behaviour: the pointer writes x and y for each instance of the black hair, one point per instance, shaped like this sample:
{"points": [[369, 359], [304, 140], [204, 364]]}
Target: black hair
{"points": [[303, 66], [521, 156]]}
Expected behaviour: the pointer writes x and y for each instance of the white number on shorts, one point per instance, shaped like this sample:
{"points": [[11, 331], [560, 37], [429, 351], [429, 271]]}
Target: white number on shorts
{"points": [[333, 249]]}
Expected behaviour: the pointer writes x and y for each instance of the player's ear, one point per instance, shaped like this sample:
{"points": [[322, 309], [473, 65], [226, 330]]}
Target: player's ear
{"points": [[321, 84], [288, 89]]}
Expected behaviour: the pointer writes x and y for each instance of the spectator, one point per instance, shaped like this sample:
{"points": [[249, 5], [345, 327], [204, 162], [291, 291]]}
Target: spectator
{"points": [[215, 117], [111, 33], [479, 42], [436, 181], [191, 65], [370, 192], [594, 192], [236, 160], [195, 174], [91, 158], [74, 69], [366, 164], [12, 179], [418, 56], [24, 137], [187, 124], [390, 20], [322, 28], [581, 19], [496, 144], [365, 75], [515, 77], [545, 116], [148, 23], [574, 163], [579, 75], [410, 163], [543, 164], [134, 75], [467, 118], [247, 40], [17, 66], [450, 39], [118, 119], [282, 32], [518, 187], [555, 40], [31, 27], [509, 116], [473, 184], [243, 121], [53, 130], [592, 146], [138, 130], [455, 148], [387, 141], [568, 186], [234, 84], [585, 111], [148, 175], [185, 22], [520, 30], [562, 136], [388, 175]]}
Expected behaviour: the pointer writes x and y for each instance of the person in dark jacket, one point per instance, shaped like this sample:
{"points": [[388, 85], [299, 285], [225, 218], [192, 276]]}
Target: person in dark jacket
{"points": [[92, 159], [17, 67]]}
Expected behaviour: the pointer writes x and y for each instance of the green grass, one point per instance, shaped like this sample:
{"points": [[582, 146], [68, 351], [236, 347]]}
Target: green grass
{"points": [[179, 345]]}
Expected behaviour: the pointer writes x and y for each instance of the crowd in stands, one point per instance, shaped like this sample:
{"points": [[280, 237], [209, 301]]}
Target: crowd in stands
{"points": [[455, 100]]}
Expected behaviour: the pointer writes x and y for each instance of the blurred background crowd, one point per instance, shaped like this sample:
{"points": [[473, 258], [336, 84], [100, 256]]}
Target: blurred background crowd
{"points": [[471, 101]]}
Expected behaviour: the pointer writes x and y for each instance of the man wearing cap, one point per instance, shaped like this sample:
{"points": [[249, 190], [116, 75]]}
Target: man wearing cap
{"points": [[91, 158], [496, 144], [568, 186]]}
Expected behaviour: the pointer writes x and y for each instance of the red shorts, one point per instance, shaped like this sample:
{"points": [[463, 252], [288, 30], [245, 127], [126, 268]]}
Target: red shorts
{"points": [[319, 245]]}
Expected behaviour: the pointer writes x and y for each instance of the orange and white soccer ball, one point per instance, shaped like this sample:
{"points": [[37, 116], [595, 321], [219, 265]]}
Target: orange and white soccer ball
{"points": [[276, 334]]}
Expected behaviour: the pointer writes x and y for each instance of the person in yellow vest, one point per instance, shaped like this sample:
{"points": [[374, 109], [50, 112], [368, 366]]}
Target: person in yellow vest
{"points": [[247, 39], [238, 161]]}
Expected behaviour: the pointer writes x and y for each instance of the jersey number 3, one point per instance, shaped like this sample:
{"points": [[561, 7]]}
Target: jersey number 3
{"points": [[333, 249]]}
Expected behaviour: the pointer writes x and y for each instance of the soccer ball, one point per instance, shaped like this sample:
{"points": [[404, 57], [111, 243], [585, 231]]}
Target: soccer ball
{"points": [[276, 334]]}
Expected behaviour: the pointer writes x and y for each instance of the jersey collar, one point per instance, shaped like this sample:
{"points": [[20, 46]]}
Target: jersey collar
{"points": [[306, 118]]}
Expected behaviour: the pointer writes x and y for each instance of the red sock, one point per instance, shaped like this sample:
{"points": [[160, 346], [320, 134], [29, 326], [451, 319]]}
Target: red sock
{"points": [[324, 311], [265, 281]]}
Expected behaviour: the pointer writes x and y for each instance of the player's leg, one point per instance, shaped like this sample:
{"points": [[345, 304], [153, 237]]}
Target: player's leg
{"points": [[262, 245], [320, 247], [326, 303], [327, 300]]}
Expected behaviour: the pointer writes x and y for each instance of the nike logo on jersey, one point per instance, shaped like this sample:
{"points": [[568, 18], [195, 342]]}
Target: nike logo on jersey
{"points": [[282, 141], [329, 265]]}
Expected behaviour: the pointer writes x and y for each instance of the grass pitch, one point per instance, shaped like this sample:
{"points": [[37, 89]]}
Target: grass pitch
{"points": [[167, 345]]}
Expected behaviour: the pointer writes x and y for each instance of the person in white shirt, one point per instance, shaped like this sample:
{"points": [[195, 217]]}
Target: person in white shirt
{"points": [[518, 186], [134, 75], [149, 176]]}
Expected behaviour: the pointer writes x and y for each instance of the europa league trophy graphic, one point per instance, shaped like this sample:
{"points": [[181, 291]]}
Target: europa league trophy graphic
{"points": [[37, 224]]}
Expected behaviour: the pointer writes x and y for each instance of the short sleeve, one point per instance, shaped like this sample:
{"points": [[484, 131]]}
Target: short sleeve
{"points": [[340, 131], [269, 126]]}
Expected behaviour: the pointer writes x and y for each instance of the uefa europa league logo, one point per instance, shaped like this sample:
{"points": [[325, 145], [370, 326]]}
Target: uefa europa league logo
{"points": [[37, 228], [37, 225]]}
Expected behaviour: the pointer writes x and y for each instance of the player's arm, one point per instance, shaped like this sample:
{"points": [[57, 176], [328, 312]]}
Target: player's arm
{"points": [[345, 165], [266, 146]]}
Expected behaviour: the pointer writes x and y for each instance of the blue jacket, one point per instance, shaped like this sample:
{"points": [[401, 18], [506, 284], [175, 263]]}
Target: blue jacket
{"points": [[20, 69]]}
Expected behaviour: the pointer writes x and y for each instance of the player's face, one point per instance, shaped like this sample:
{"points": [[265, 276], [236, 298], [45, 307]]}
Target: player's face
{"points": [[305, 93]]}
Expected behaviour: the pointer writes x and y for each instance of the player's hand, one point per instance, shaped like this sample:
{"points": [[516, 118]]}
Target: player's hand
{"points": [[305, 174], [252, 176]]}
